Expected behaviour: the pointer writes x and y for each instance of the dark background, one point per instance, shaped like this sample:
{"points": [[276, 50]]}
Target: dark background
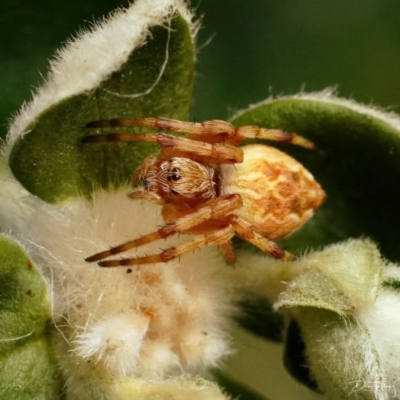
{"points": [[258, 48]]}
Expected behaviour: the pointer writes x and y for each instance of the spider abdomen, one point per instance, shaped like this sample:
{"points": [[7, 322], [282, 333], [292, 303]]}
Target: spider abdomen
{"points": [[279, 195]]}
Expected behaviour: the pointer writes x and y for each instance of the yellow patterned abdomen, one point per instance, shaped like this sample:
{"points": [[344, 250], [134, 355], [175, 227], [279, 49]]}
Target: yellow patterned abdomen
{"points": [[279, 195]]}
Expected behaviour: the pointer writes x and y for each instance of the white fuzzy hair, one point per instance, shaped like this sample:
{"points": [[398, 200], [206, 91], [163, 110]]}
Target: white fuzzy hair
{"points": [[383, 325], [158, 318]]}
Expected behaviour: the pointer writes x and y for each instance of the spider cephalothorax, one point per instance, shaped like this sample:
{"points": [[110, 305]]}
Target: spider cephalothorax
{"points": [[209, 187], [177, 176]]}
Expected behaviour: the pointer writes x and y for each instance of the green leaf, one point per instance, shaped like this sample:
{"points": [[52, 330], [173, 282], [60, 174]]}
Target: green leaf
{"points": [[344, 278], [27, 368], [51, 162], [342, 356], [359, 170]]}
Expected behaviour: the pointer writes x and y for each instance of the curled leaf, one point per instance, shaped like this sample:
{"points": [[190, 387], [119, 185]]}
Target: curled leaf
{"points": [[342, 356], [345, 278], [138, 64]]}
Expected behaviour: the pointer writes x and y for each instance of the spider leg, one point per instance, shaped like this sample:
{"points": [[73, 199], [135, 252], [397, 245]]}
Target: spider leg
{"points": [[255, 132], [214, 127], [217, 130], [219, 152], [146, 164], [214, 209], [142, 194], [246, 231], [228, 251], [215, 237]]}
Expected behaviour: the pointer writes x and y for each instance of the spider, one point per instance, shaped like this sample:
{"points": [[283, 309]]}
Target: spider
{"points": [[209, 187]]}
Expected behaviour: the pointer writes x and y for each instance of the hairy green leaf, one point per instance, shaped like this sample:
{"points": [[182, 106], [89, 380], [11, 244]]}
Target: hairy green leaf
{"points": [[50, 160], [27, 368]]}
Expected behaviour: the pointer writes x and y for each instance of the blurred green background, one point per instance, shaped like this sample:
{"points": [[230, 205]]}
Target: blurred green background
{"points": [[258, 48]]}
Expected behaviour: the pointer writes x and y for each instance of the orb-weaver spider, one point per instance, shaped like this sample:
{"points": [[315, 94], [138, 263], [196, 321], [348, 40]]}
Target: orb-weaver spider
{"points": [[207, 186]]}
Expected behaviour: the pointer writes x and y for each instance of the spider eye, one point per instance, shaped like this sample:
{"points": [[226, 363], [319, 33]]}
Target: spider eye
{"points": [[173, 178], [174, 174], [173, 191]]}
